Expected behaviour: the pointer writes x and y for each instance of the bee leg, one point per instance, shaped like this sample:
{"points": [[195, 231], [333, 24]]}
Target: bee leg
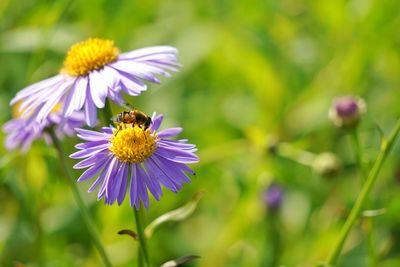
{"points": [[134, 135], [118, 129]]}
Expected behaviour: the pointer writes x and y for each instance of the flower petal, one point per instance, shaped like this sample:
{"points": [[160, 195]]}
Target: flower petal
{"points": [[156, 173], [98, 88], [152, 184], [92, 171], [169, 132], [89, 152], [122, 190], [177, 155], [36, 88], [90, 110], [156, 119]]}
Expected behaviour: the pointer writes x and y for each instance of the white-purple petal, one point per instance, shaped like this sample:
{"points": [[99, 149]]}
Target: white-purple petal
{"points": [[98, 88]]}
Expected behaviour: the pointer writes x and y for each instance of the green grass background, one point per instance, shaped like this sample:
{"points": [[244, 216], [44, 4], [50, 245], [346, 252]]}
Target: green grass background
{"points": [[252, 71]]}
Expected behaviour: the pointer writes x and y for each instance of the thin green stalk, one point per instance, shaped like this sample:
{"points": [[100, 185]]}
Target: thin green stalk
{"points": [[363, 196], [358, 153], [107, 113], [79, 201], [143, 254], [372, 259]]}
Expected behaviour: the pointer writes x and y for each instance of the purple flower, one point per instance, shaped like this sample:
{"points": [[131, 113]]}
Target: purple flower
{"points": [[21, 132], [93, 71], [144, 159], [346, 111], [273, 196]]}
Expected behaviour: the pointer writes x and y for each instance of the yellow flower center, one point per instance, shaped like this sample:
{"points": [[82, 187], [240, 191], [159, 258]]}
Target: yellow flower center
{"points": [[16, 113], [132, 144], [89, 55]]}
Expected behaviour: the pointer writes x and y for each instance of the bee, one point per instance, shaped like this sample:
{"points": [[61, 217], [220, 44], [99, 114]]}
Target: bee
{"points": [[133, 117]]}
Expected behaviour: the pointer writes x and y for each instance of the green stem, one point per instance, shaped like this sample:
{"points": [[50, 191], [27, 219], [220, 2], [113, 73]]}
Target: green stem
{"points": [[363, 196], [368, 229], [107, 113], [79, 201], [289, 151], [143, 254], [358, 153]]}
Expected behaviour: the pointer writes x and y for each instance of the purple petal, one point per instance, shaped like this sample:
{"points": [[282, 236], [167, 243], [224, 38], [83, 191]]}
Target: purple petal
{"points": [[122, 190], [89, 135], [92, 171], [157, 120], [142, 190], [91, 144], [133, 189], [169, 132], [98, 181], [152, 184], [109, 174], [177, 155], [114, 186], [90, 110], [89, 152], [91, 161], [155, 172], [171, 169], [176, 144]]}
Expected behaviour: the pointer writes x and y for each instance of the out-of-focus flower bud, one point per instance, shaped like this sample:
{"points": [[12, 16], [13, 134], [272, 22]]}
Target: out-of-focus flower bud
{"points": [[326, 164], [273, 196], [347, 110]]}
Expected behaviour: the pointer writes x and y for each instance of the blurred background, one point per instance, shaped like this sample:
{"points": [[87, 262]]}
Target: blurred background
{"points": [[255, 74]]}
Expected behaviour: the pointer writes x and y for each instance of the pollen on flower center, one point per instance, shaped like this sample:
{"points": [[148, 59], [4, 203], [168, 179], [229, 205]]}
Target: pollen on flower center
{"points": [[132, 144], [89, 55]]}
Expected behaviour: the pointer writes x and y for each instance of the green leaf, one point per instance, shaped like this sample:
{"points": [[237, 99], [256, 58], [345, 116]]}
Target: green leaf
{"points": [[373, 213], [175, 215]]}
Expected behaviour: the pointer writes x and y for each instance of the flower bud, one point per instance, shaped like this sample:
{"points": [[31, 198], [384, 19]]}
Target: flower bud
{"points": [[326, 164], [273, 196], [347, 110]]}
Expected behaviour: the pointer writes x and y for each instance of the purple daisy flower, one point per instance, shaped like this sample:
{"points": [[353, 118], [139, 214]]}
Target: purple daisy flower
{"points": [[148, 157], [21, 132], [93, 71]]}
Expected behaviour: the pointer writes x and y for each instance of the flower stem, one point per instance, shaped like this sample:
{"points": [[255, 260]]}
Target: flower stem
{"points": [[358, 153], [107, 113], [386, 146], [79, 201], [368, 229], [143, 254]]}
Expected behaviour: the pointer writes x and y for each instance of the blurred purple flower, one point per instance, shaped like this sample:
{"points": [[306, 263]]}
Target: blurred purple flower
{"points": [[346, 111], [149, 157], [21, 132], [93, 71], [273, 196]]}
